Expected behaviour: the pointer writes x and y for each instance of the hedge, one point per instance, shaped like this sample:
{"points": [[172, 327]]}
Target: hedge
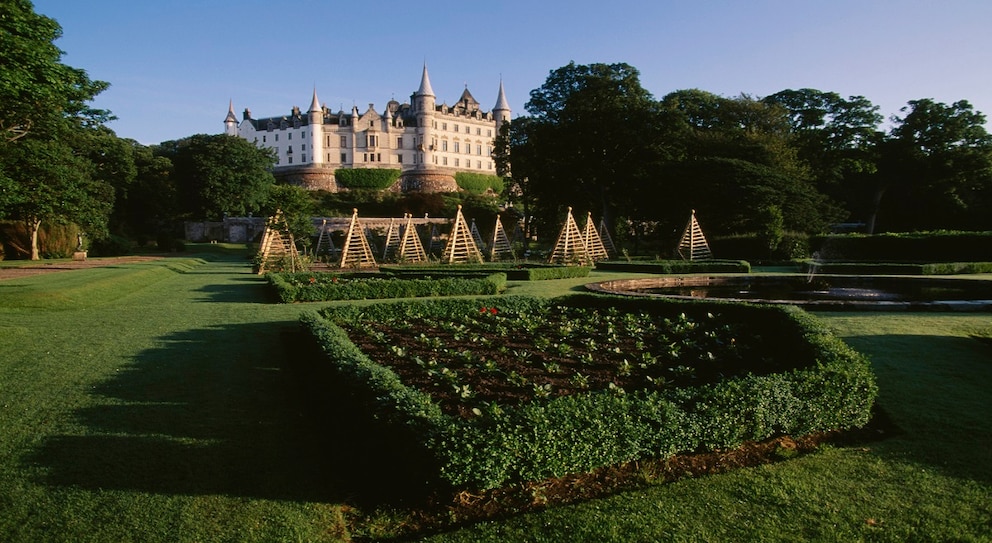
{"points": [[479, 183], [676, 266], [318, 287], [514, 272], [864, 268], [922, 247], [832, 388], [366, 178]]}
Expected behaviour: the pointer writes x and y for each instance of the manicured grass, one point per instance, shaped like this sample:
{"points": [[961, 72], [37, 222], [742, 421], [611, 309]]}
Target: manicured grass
{"points": [[161, 402]]}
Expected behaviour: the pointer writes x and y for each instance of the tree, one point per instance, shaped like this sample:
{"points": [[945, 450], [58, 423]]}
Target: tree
{"points": [[48, 130], [595, 135], [838, 139], [36, 87], [936, 169], [297, 208], [217, 175]]}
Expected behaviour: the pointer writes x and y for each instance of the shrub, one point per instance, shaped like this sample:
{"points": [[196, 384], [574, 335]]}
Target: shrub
{"points": [[677, 266], [832, 387], [906, 247], [366, 178], [111, 246], [316, 287], [479, 183]]}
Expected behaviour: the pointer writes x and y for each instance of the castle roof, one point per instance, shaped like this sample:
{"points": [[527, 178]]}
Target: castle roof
{"points": [[425, 84], [501, 102]]}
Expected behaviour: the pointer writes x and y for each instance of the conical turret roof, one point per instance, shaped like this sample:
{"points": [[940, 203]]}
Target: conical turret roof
{"points": [[425, 84], [231, 117], [501, 102], [314, 104]]}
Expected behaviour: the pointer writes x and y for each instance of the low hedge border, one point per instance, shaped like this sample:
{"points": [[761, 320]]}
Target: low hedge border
{"points": [[321, 287], [835, 389], [933, 268], [676, 266], [513, 271]]}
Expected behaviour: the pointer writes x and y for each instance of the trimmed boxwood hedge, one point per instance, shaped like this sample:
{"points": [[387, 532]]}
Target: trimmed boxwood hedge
{"points": [[514, 272], [865, 268], [479, 183], [834, 389], [366, 178], [905, 247], [318, 287], [676, 266]]}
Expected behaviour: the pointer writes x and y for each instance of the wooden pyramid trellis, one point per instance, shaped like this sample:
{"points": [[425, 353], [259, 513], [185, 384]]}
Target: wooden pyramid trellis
{"points": [[325, 245], [434, 243], [277, 243], [356, 252], [410, 248], [594, 244], [604, 234], [693, 244], [461, 247], [500, 246], [476, 236], [571, 246], [391, 247]]}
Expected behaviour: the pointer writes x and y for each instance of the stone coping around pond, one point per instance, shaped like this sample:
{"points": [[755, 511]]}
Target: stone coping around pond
{"points": [[631, 287]]}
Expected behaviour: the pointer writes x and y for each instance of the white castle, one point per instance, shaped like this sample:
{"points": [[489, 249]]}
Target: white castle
{"points": [[428, 143]]}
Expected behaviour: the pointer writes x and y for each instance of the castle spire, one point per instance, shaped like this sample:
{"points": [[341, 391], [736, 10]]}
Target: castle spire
{"points": [[501, 103], [231, 117], [425, 84], [315, 104]]}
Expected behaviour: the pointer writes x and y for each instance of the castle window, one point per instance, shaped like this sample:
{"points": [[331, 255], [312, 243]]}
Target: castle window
{"points": [[399, 142], [328, 157], [444, 145], [344, 141], [399, 158], [378, 157], [489, 133], [263, 139], [467, 129], [456, 162], [303, 147], [456, 127], [303, 158], [456, 146], [444, 160], [365, 157], [290, 135], [344, 158], [444, 126], [277, 137], [289, 159], [328, 144], [478, 131], [478, 164], [478, 149]]}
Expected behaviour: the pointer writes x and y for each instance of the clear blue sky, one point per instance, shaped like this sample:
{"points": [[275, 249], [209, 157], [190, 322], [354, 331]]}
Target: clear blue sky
{"points": [[174, 65]]}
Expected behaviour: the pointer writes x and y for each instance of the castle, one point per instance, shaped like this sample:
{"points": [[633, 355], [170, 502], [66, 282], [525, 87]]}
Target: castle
{"points": [[427, 142]]}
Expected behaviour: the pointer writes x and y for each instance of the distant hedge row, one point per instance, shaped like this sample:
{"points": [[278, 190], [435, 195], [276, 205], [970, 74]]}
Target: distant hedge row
{"points": [[911, 247], [366, 178], [514, 272], [866, 268], [478, 183], [676, 266]]}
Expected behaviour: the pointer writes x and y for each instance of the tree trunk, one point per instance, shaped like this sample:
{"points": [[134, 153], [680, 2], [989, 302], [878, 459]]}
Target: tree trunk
{"points": [[876, 203], [34, 225]]}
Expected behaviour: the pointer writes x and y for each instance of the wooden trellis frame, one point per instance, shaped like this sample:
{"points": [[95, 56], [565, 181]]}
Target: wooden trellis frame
{"points": [[594, 244], [277, 243], [434, 247], [325, 245], [604, 234], [390, 248], [571, 246], [500, 246], [477, 237], [410, 248], [693, 244], [461, 247], [356, 252]]}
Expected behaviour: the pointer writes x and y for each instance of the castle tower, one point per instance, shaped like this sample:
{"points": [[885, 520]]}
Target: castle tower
{"points": [[315, 134], [501, 111], [423, 103], [231, 121]]}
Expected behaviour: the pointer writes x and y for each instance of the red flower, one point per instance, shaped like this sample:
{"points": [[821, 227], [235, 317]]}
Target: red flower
{"points": [[334, 279], [313, 280], [483, 309], [493, 310]]}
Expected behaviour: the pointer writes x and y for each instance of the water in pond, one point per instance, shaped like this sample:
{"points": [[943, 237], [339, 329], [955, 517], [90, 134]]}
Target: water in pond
{"points": [[867, 289]]}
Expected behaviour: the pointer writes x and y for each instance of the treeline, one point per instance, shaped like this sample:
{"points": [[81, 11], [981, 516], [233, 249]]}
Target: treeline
{"points": [[798, 160]]}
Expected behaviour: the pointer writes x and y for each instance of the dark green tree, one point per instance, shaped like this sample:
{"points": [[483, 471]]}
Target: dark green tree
{"points": [[936, 169], [216, 175], [595, 136], [297, 208], [838, 139]]}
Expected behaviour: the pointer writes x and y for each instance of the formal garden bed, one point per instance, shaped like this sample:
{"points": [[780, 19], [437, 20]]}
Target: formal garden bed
{"points": [[515, 271], [505, 390]]}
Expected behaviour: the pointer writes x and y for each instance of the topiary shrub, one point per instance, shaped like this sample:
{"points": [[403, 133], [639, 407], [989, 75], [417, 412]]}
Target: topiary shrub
{"points": [[479, 183], [366, 178]]}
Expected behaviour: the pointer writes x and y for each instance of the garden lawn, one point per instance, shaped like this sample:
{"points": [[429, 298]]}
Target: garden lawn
{"points": [[159, 402]]}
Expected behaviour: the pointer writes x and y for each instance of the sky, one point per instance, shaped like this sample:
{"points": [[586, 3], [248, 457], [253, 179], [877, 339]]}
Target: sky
{"points": [[175, 66]]}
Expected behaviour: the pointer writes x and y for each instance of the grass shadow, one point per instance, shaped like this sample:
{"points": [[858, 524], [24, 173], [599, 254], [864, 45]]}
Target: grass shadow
{"points": [[232, 410]]}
